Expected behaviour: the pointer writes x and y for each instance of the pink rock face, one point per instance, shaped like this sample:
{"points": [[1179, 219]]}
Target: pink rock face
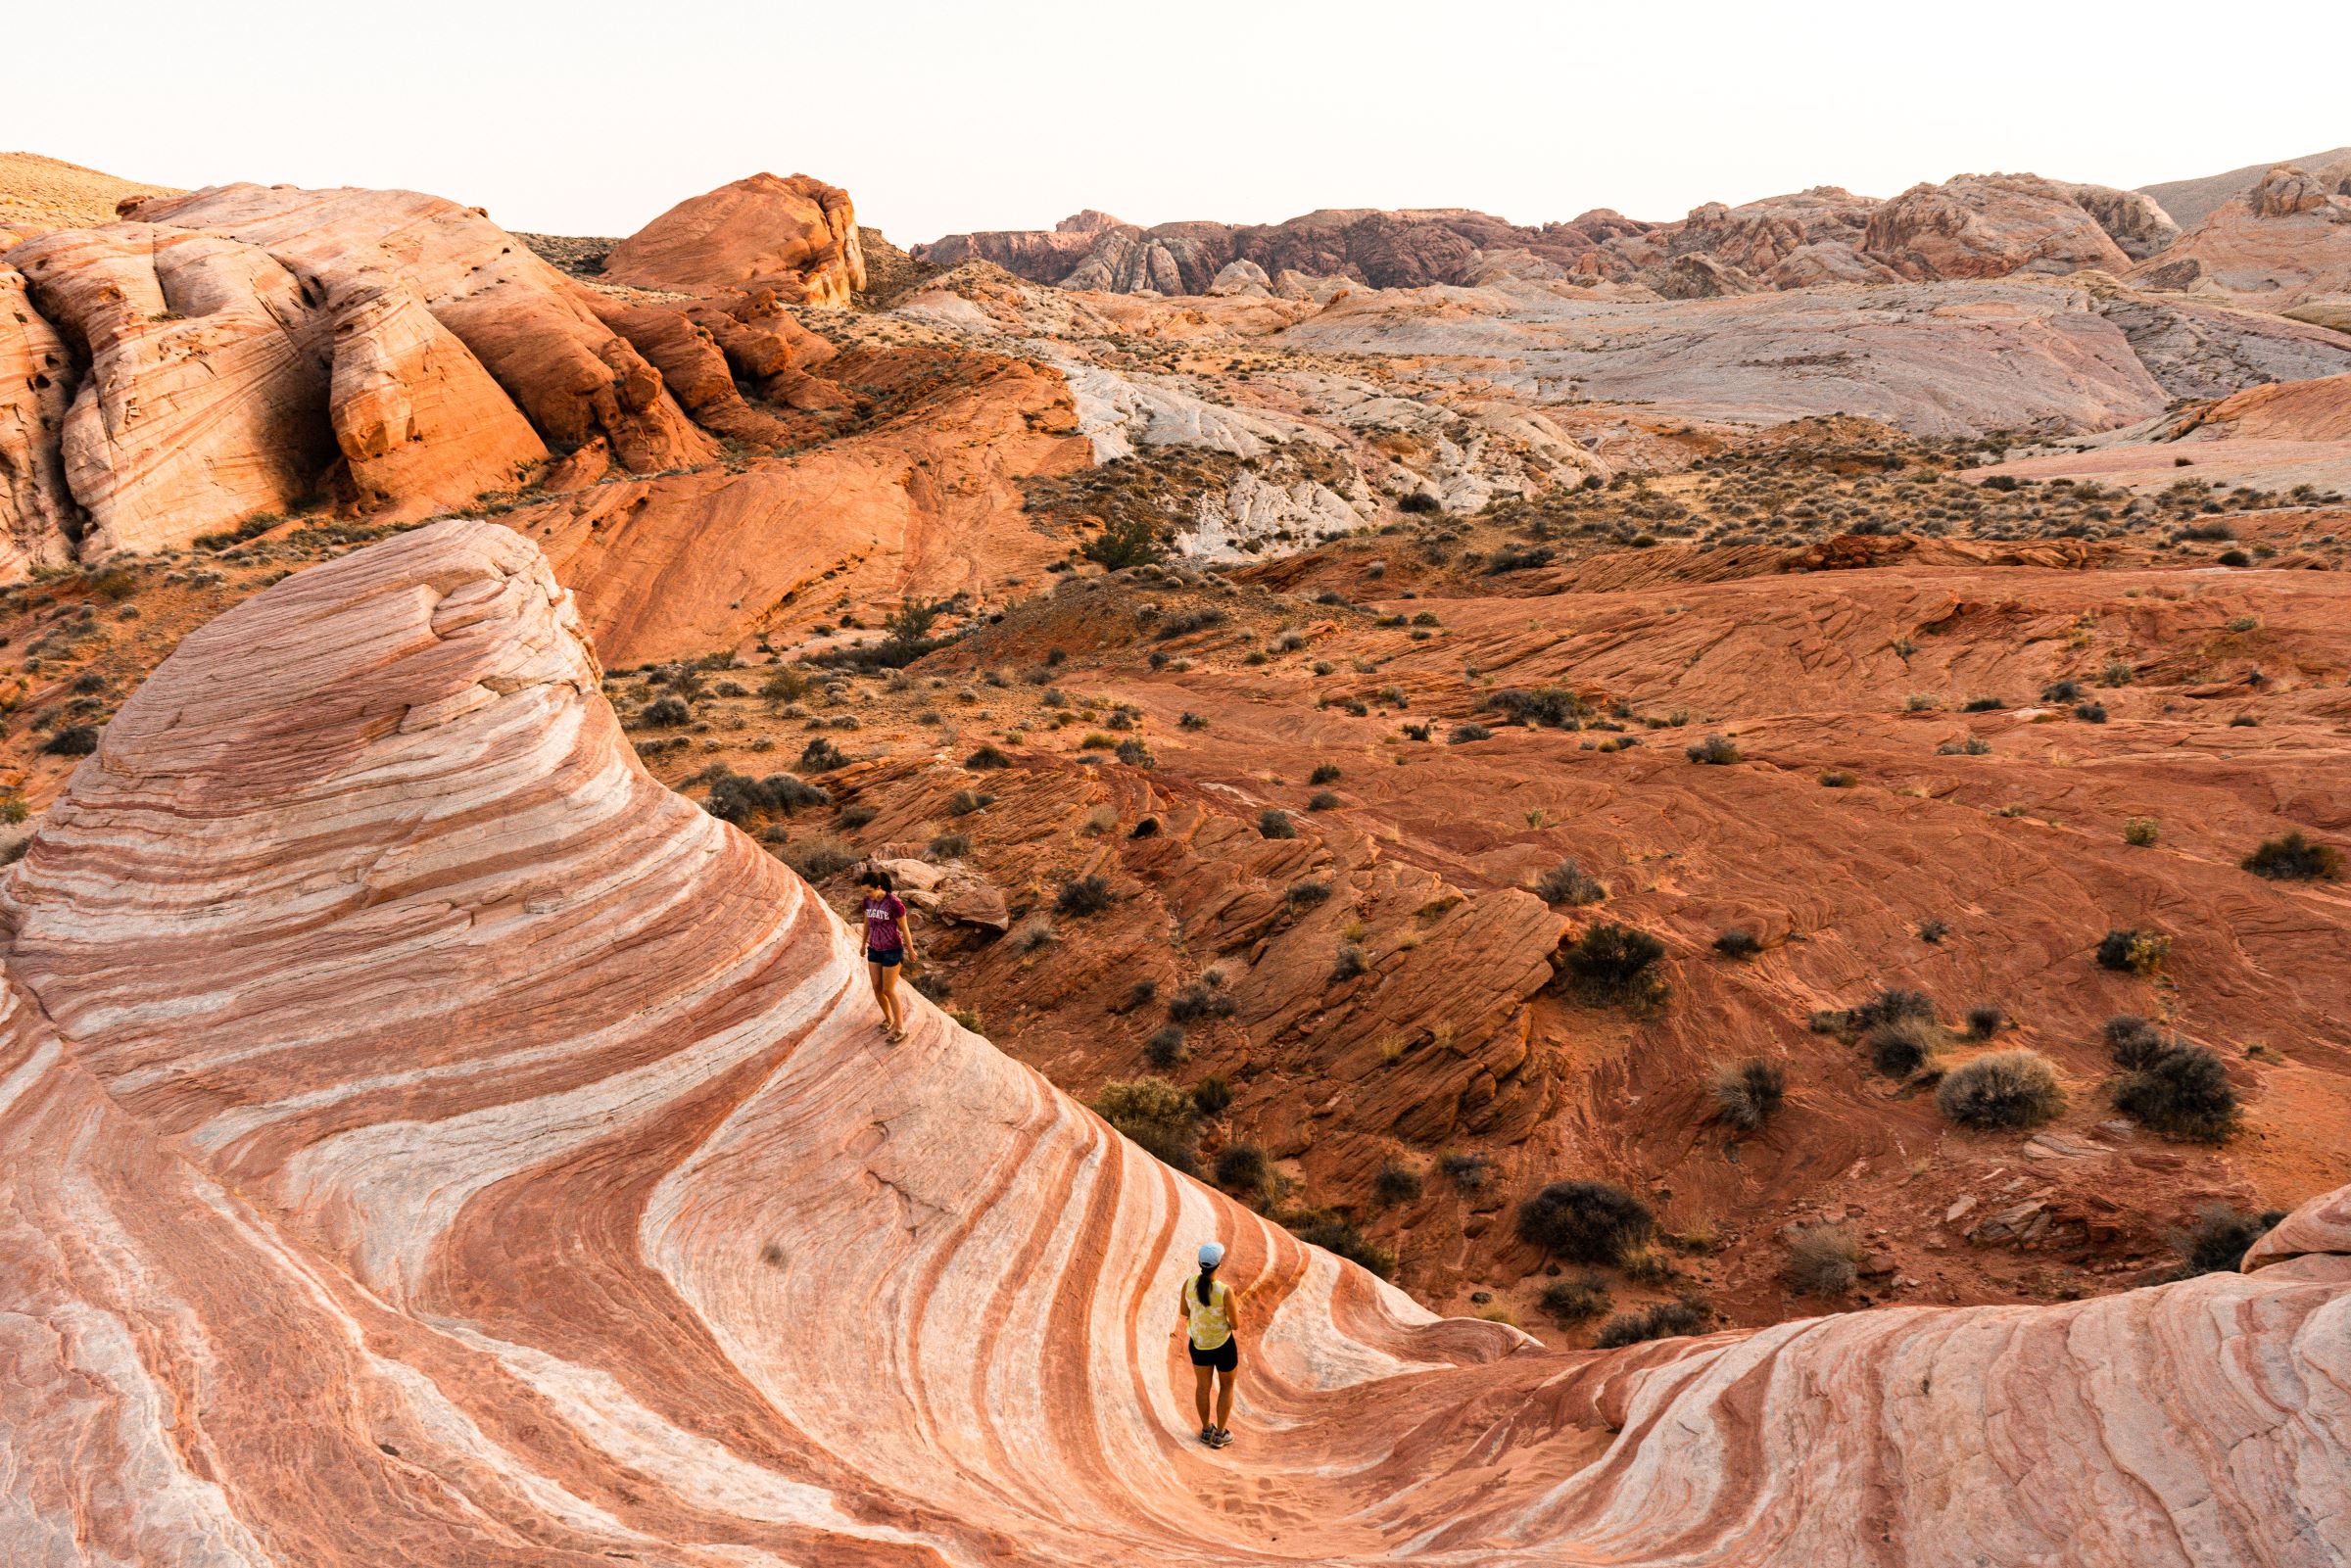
{"points": [[2285, 241], [1989, 226], [798, 236], [37, 386], [428, 1140], [249, 347]]}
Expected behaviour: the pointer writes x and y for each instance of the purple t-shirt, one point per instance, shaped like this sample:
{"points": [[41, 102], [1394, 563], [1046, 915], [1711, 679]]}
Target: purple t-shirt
{"points": [[881, 923]]}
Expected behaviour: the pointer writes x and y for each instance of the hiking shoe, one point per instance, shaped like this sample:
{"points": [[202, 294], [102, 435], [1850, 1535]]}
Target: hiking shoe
{"points": [[1218, 1437], [1208, 1435]]}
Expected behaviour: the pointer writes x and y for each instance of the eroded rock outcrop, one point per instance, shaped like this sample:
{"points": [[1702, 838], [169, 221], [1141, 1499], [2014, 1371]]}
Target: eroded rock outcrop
{"points": [[2285, 241], [796, 236], [430, 1140], [245, 349]]}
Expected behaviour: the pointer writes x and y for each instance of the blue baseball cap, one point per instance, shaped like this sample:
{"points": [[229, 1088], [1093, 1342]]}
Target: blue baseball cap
{"points": [[1211, 1253]]}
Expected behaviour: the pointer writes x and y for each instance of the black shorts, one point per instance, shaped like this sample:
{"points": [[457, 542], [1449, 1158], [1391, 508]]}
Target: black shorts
{"points": [[885, 955], [1225, 1357]]}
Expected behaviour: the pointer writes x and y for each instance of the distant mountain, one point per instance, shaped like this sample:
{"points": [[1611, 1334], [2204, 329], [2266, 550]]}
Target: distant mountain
{"points": [[2191, 201]]}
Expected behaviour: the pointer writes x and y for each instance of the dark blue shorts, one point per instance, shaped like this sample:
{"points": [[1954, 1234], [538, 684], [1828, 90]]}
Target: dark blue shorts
{"points": [[891, 955]]}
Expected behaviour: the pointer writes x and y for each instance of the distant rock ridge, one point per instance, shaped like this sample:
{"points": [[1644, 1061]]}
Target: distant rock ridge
{"points": [[1975, 225]]}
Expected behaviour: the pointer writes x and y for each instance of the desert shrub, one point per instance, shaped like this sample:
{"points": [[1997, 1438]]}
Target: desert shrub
{"points": [[1738, 943], [819, 856], [950, 846], [2090, 712], [1586, 1221], [1934, 931], [1419, 500], [2294, 858], [1243, 1168], [1984, 704], [1191, 721], [785, 684], [1658, 1320], [1714, 748], [1306, 894], [1126, 541], [1518, 558], [1396, 1183], [1032, 934], [1890, 1004], [2140, 832], [1134, 754], [932, 985], [1275, 823], [1348, 964], [1324, 773], [73, 740], [2133, 1041], [1336, 1233], [665, 713], [1899, 1047], [2233, 557], [854, 816], [1165, 1047], [1200, 1000], [2068, 691], [1156, 1114], [1464, 734], [1322, 800], [2006, 1090], [2139, 952], [821, 755], [1211, 1095], [1470, 1172], [2178, 1089], [1567, 883], [1983, 1022], [737, 797], [1577, 1297], [1614, 962], [1747, 1093], [1549, 707], [1084, 895], [1822, 1260], [987, 756], [2217, 1241]]}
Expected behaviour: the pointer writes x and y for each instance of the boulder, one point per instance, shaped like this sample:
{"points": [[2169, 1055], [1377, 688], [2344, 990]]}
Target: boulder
{"points": [[796, 236]]}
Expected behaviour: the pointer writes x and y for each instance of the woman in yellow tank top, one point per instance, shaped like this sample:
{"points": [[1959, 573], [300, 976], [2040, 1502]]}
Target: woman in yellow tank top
{"points": [[1211, 1324]]}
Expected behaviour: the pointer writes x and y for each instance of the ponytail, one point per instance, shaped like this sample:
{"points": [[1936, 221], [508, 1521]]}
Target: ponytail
{"points": [[1205, 1287]]}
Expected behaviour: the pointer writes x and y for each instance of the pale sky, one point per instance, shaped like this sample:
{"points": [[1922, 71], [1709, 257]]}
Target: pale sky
{"points": [[591, 119]]}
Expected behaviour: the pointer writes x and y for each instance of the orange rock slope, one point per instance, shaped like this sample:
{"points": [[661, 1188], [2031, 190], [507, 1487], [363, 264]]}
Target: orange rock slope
{"points": [[430, 1141]]}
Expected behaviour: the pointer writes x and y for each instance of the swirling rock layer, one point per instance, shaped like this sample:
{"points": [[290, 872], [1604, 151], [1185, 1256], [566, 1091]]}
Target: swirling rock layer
{"points": [[429, 1141]]}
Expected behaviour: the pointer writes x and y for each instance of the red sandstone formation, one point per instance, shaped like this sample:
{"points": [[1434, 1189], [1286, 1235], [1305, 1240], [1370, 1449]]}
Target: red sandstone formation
{"points": [[796, 236], [245, 348], [430, 1140]]}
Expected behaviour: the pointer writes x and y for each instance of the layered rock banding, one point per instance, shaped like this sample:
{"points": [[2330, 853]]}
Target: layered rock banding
{"points": [[589, 1215]]}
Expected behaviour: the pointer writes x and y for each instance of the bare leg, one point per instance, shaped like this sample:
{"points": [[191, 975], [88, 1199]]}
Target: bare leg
{"points": [[891, 1008], [1224, 1400], [1202, 1377], [877, 976]]}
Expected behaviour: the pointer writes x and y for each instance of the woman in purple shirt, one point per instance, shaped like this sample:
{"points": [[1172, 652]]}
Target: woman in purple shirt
{"points": [[888, 945]]}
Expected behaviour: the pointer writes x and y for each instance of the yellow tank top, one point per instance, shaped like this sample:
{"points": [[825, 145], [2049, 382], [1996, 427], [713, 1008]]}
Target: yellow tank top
{"points": [[1212, 1324]]}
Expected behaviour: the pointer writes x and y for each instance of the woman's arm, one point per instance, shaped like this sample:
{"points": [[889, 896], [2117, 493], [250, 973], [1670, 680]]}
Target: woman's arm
{"points": [[905, 925]]}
